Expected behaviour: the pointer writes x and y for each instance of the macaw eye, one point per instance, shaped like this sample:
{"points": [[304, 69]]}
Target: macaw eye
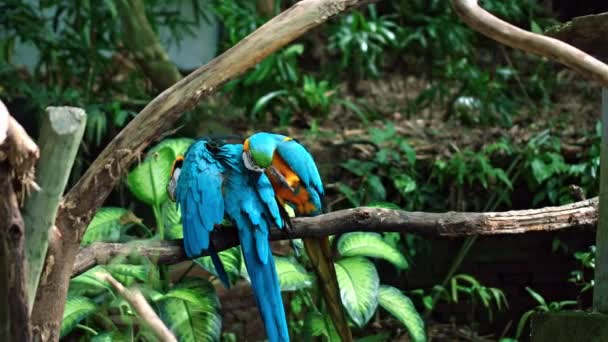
{"points": [[250, 164]]}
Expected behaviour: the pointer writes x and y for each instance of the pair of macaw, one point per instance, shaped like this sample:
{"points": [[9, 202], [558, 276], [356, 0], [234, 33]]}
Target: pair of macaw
{"points": [[251, 183]]}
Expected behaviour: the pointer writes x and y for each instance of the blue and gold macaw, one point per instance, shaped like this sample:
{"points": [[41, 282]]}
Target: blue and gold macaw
{"points": [[212, 181], [196, 185], [297, 183], [250, 203]]}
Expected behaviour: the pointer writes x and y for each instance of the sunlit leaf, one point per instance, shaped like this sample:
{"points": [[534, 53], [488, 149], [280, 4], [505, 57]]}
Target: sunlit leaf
{"points": [[400, 306], [292, 276], [370, 245], [148, 181], [317, 325], [231, 259], [359, 282]]}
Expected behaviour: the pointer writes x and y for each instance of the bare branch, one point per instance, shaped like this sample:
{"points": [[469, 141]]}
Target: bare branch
{"points": [[489, 25], [450, 224], [140, 305]]}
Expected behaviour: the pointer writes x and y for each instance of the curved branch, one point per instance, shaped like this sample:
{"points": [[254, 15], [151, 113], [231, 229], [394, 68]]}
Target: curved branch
{"points": [[489, 25], [450, 224]]}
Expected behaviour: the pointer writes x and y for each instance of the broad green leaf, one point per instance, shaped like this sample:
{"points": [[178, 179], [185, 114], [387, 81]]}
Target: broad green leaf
{"points": [[111, 337], [76, 309], [400, 306], [292, 276], [191, 311], [148, 181], [108, 225], [120, 271], [88, 283], [172, 217], [359, 282], [317, 325], [370, 245], [381, 204], [231, 259], [178, 146]]}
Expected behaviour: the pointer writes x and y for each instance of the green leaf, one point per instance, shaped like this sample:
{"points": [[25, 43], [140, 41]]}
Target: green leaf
{"points": [[405, 184], [115, 336], [385, 205], [377, 192], [317, 324], [76, 309], [537, 297], [119, 271], [540, 170], [264, 100], [88, 283], [231, 259], [359, 282], [522, 323], [178, 146], [292, 276], [400, 306], [370, 245], [191, 311], [148, 181], [108, 225]]}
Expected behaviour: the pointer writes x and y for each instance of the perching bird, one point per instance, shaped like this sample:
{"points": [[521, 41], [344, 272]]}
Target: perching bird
{"points": [[196, 185], [250, 203], [212, 181], [297, 183]]}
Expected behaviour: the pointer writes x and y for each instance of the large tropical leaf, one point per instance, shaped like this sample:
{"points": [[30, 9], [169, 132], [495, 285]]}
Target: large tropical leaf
{"points": [[400, 306], [359, 282], [88, 283], [178, 146], [172, 217], [191, 311], [231, 259], [148, 181], [108, 225], [317, 325], [76, 309], [370, 245], [292, 276]]}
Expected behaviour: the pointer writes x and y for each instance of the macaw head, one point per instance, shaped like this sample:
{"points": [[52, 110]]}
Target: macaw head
{"points": [[258, 150], [176, 170]]}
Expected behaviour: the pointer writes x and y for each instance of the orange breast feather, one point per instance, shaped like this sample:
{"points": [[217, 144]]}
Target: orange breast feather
{"points": [[298, 198]]}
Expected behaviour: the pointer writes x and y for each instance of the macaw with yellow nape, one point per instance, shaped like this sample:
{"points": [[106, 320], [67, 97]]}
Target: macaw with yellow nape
{"points": [[212, 181], [297, 183], [196, 186]]}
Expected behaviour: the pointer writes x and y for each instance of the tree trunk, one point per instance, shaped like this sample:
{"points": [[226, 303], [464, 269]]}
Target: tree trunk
{"points": [[14, 317]]}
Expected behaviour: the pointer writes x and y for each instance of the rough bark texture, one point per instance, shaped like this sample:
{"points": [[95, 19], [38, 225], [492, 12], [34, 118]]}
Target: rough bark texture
{"points": [[79, 205], [450, 224], [141, 40], [510, 35], [588, 33], [14, 317], [60, 136]]}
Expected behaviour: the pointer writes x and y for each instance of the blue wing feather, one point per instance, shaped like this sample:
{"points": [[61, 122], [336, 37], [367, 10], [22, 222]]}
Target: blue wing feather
{"points": [[250, 210], [302, 163], [199, 196]]}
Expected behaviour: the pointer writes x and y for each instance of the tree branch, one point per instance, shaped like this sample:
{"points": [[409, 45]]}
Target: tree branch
{"points": [[81, 202], [489, 25], [450, 224], [143, 309]]}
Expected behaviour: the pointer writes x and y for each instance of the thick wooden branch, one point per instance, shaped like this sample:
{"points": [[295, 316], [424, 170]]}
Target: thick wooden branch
{"points": [[60, 136], [450, 224], [510, 35], [588, 33], [81, 202], [144, 310]]}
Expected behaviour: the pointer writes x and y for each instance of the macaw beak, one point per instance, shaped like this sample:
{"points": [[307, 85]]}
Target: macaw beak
{"points": [[250, 163]]}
